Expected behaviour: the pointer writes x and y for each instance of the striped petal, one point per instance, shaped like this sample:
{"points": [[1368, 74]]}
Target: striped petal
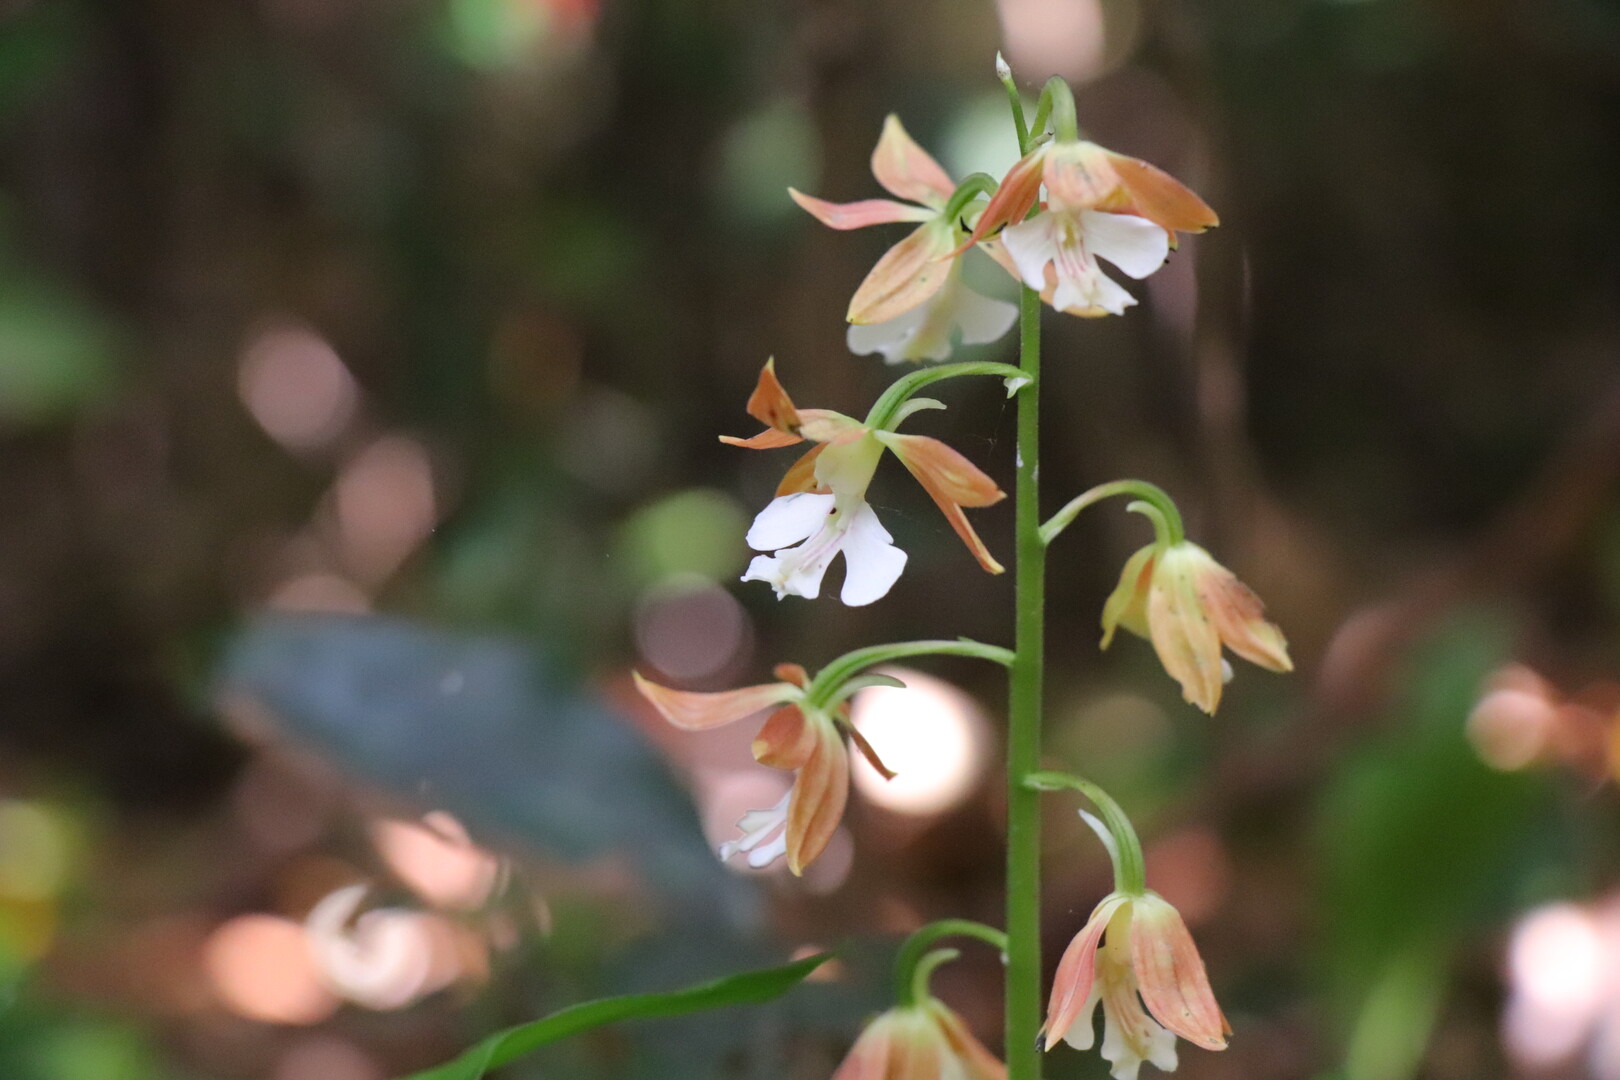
{"points": [[908, 274], [1076, 973], [858, 215], [953, 482], [1171, 976], [819, 796], [1160, 197]]}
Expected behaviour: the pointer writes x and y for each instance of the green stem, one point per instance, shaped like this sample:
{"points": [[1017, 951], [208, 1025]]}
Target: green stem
{"points": [[830, 678], [910, 981], [1016, 100], [883, 411], [1168, 521], [925, 971], [1130, 870], [1023, 1018]]}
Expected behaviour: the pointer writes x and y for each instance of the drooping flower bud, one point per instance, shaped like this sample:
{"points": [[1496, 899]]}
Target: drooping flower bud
{"points": [[926, 1041], [1134, 945], [1187, 604]]}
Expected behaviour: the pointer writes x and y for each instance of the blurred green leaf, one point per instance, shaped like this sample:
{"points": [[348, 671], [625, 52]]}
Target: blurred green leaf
{"points": [[1420, 844], [769, 151], [55, 351], [494, 34], [749, 988], [690, 532]]}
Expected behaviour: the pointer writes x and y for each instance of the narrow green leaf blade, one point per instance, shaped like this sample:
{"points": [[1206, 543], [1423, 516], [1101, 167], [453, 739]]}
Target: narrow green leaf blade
{"points": [[748, 988]]}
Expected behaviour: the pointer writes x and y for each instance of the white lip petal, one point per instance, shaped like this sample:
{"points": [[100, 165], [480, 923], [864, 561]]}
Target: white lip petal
{"points": [[872, 564], [1134, 244], [764, 835], [889, 338], [1095, 290], [926, 332], [1082, 1034], [982, 318], [1032, 244], [787, 520]]}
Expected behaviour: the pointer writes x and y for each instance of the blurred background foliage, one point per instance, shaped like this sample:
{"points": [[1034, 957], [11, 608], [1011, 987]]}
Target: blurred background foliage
{"points": [[361, 363]]}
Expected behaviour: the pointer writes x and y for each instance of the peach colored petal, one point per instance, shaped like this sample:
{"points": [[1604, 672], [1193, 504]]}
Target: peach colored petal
{"points": [[1239, 618], [944, 474], [918, 1053], [868, 1059], [792, 673], [858, 215], [957, 478], [801, 475], [1171, 976], [1183, 635], [1079, 175], [976, 1060], [770, 404], [697, 712], [769, 439], [1071, 986], [906, 170], [786, 741], [908, 274], [1161, 198], [1012, 201], [1127, 604], [819, 795]]}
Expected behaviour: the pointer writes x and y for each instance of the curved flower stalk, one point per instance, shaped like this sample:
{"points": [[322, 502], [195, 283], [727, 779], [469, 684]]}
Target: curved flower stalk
{"points": [[922, 1038], [1100, 204], [1173, 593], [820, 510], [1134, 951], [914, 300]]}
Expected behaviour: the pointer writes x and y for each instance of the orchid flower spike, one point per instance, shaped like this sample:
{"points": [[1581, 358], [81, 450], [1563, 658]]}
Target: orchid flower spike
{"points": [[926, 1041], [820, 510], [1100, 204], [799, 737], [1134, 945], [1178, 597], [913, 300]]}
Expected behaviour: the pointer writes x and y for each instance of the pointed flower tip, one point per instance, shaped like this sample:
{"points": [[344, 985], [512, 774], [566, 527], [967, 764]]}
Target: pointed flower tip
{"points": [[1003, 69]]}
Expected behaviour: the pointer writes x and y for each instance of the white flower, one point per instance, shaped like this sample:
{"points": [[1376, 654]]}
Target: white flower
{"points": [[925, 331], [872, 563], [820, 510], [1070, 242]]}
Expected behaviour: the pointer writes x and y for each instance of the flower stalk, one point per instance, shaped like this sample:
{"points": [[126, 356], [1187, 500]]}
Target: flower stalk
{"points": [[825, 686], [911, 964], [1130, 868], [1152, 500]]}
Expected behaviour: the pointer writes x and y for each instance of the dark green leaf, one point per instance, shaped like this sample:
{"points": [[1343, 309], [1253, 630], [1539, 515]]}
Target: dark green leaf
{"points": [[749, 988]]}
